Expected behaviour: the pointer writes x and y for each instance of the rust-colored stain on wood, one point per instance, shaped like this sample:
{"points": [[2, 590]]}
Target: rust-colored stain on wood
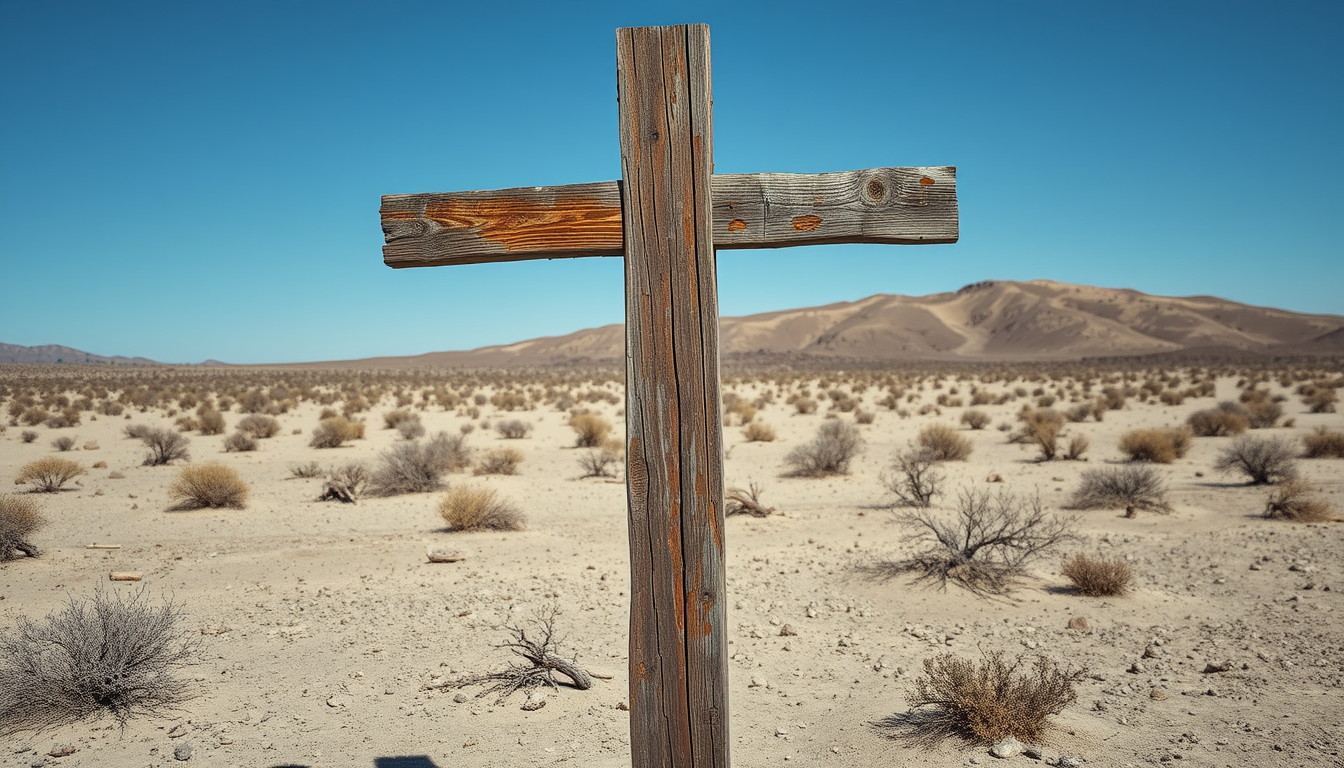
{"points": [[807, 223], [528, 224], [736, 224], [926, 182]]}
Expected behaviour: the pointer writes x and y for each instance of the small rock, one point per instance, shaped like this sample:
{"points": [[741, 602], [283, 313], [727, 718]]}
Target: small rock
{"points": [[1065, 761], [182, 751], [1158, 694], [440, 555], [757, 682], [460, 698], [1255, 566], [781, 732], [63, 750], [1135, 668], [1007, 747], [1079, 624], [1221, 666], [535, 700], [787, 631]]}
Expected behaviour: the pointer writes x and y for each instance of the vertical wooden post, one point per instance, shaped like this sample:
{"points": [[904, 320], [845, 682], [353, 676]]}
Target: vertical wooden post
{"points": [[674, 438]]}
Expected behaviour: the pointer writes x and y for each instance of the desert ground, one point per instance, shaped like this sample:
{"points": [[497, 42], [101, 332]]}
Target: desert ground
{"points": [[326, 636]]}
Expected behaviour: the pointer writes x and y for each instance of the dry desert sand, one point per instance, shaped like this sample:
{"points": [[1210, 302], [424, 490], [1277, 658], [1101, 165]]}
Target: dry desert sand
{"points": [[323, 627]]}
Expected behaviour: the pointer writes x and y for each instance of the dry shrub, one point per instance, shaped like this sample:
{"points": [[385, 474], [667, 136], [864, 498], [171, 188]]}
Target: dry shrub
{"points": [[991, 700], [1263, 413], [542, 659], [187, 424], [1294, 500], [1263, 460], [1163, 445], [943, 443], [603, 461], [986, 548], [20, 516], [309, 469], [513, 429], [1041, 427], [212, 423], [1323, 443], [759, 432], [346, 483], [392, 418], [416, 467], [864, 417], [914, 479], [975, 419], [1079, 413], [258, 426], [1321, 400], [28, 436], [136, 431], [805, 405], [1121, 488], [1078, 445], [335, 431], [49, 473], [63, 443], [591, 429], [471, 508], [240, 442], [829, 453], [208, 485], [165, 446], [106, 655], [410, 429], [1098, 576], [746, 502], [1227, 419], [499, 461], [739, 412]]}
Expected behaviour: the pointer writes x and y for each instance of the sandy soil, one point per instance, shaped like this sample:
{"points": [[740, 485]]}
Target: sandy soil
{"points": [[322, 624]]}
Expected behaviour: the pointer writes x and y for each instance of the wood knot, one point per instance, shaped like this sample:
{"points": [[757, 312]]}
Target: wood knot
{"points": [[736, 224], [806, 223], [926, 182], [875, 190]]}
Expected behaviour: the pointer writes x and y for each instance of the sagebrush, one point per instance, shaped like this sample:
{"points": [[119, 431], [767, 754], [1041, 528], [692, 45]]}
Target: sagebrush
{"points": [[990, 700]]}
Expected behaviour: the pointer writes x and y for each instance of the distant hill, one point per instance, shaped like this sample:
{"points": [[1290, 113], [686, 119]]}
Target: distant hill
{"points": [[55, 353], [988, 321]]}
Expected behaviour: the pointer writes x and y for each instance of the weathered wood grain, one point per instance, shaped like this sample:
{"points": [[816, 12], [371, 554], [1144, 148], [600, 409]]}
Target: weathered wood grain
{"points": [[678, 679], [755, 210]]}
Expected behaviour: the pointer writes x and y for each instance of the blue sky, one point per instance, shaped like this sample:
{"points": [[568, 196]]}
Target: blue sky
{"points": [[201, 180]]}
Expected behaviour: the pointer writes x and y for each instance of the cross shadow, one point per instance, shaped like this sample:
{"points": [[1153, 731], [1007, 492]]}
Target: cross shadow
{"points": [[405, 761]]}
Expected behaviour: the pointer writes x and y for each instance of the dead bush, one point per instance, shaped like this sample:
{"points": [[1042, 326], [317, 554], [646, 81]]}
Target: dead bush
{"points": [[346, 483], [975, 419], [1079, 413], [211, 422], [1321, 400], [165, 446], [1294, 500], [1217, 422], [991, 700], [28, 436], [410, 429], [49, 474], [805, 405], [914, 478], [1098, 576], [591, 429], [746, 502], [64, 443], [20, 516], [943, 443], [986, 548], [258, 426], [472, 508], [1323, 443], [208, 485], [1078, 445], [1041, 427], [392, 418], [136, 431], [603, 461], [1121, 488], [513, 429], [1162, 445], [1263, 460], [542, 659], [306, 470], [759, 432], [829, 453], [335, 431], [240, 442], [115, 655], [499, 461], [417, 467]]}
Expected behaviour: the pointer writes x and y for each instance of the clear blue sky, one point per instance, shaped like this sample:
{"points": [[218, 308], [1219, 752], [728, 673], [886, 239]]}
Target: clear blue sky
{"points": [[191, 180]]}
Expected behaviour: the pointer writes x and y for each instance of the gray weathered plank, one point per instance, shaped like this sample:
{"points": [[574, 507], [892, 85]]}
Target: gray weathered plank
{"points": [[678, 679], [755, 210]]}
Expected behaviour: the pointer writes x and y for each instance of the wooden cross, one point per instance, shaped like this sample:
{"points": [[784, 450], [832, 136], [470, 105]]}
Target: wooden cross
{"points": [[666, 217]]}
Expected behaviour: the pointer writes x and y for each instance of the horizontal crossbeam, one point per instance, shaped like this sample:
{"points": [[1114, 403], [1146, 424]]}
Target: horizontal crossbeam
{"points": [[906, 206]]}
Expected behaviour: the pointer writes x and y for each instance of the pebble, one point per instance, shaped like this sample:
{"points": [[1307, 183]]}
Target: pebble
{"points": [[787, 631], [182, 751], [1080, 624], [460, 698], [1006, 747], [535, 700], [1158, 694], [63, 750], [1068, 762]]}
